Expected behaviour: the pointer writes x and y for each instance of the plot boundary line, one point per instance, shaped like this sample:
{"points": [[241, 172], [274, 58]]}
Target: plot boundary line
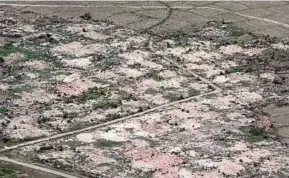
{"points": [[35, 167]]}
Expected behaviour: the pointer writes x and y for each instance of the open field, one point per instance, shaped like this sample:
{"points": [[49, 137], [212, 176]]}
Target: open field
{"points": [[91, 98]]}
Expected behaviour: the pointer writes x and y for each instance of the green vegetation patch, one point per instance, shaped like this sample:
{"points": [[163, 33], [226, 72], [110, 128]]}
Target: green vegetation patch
{"points": [[153, 75], [127, 96], [3, 110], [7, 173], [105, 103], [255, 134], [86, 16], [38, 55], [237, 70], [193, 92], [17, 90], [113, 116], [94, 94], [103, 143], [174, 96], [7, 49]]}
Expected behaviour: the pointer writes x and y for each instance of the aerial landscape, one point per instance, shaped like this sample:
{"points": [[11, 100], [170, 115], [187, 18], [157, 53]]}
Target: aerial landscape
{"points": [[143, 90]]}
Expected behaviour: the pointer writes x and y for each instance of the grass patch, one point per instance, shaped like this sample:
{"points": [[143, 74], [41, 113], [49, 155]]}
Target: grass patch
{"points": [[103, 143], [94, 94], [7, 173], [174, 96], [113, 116], [105, 103], [109, 63], [254, 134], [127, 96], [180, 37], [86, 16], [236, 32], [38, 55], [193, 92], [3, 110], [7, 49], [21, 89], [153, 75], [237, 70]]}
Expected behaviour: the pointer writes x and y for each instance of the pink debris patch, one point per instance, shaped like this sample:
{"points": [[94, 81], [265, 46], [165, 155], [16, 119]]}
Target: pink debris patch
{"points": [[74, 88], [164, 165], [230, 168], [3, 87], [263, 123]]}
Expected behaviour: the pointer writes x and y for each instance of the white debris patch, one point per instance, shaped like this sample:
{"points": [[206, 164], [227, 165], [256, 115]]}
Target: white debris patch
{"points": [[134, 57], [77, 49], [200, 56], [134, 73], [231, 49], [85, 137], [78, 28], [95, 35], [78, 62], [25, 127], [280, 46], [269, 76], [249, 97]]}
